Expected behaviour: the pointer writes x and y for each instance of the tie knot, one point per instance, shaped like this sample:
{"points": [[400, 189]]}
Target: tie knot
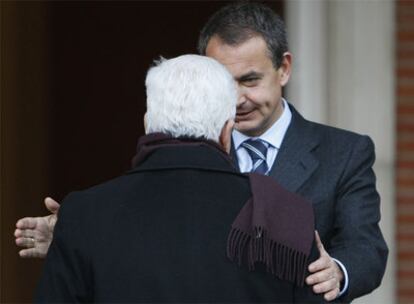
{"points": [[256, 149]]}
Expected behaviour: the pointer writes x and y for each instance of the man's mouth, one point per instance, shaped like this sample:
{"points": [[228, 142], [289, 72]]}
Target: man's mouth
{"points": [[243, 115]]}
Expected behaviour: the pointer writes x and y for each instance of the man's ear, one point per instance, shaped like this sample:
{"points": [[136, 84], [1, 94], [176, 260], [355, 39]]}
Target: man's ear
{"points": [[145, 122], [225, 135], [285, 68]]}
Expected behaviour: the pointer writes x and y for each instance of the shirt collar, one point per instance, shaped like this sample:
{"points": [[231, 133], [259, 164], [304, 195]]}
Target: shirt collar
{"points": [[274, 135]]}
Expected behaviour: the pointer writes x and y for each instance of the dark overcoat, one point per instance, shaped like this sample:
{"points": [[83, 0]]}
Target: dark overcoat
{"points": [[158, 234]]}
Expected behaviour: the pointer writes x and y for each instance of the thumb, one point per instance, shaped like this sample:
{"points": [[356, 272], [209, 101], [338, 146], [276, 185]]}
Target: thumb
{"points": [[319, 244], [52, 205]]}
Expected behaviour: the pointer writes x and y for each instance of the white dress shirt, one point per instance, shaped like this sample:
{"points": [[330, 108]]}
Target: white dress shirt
{"points": [[272, 138]]}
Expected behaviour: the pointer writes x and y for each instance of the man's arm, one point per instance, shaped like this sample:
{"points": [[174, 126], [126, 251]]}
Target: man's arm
{"points": [[35, 233], [66, 273], [357, 241]]}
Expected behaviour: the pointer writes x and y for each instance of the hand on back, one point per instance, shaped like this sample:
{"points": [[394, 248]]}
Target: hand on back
{"points": [[35, 234]]}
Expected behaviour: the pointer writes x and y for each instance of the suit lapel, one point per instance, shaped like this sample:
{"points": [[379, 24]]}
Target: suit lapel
{"points": [[295, 162]]}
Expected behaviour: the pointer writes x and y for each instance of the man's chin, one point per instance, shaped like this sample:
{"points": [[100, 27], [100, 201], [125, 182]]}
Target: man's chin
{"points": [[246, 127]]}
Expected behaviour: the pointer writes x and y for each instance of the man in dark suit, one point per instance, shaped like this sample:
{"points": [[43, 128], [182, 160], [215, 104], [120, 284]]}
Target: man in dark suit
{"points": [[159, 233], [330, 167]]}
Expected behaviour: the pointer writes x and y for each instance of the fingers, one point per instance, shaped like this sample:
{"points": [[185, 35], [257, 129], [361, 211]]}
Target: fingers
{"points": [[26, 223], [25, 242], [332, 295], [325, 282], [329, 288], [324, 260], [320, 276], [52, 205], [26, 233], [326, 286], [31, 253], [26, 253], [319, 244], [320, 264], [326, 275]]}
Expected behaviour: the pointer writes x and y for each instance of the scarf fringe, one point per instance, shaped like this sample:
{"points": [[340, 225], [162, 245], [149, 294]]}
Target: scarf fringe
{"points": [[280, 260]]}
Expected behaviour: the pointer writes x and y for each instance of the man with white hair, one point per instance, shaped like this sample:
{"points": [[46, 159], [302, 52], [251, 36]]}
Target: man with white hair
{"points": [[159, 233]]}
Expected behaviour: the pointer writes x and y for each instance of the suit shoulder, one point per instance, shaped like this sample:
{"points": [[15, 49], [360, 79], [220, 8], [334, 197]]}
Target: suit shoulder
{"points": [[339, 138]]}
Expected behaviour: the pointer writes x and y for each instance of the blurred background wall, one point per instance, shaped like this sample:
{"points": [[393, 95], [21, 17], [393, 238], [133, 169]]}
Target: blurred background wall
{"points": [[344, 76], [72, 101], [354, 69]]}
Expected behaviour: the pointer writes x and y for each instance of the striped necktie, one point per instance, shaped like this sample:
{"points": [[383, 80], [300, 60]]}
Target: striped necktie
{"points": [[257, 151]]}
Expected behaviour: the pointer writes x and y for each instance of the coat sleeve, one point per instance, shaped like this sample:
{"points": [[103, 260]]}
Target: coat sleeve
{"points": [[357, 240], [66, 272]]}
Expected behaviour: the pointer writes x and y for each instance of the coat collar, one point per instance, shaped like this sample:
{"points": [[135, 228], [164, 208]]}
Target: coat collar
{"points": [[201, 157]]}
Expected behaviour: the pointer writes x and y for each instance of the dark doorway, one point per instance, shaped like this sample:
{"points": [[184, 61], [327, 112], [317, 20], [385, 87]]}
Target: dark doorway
{"points": [[73, 98]]}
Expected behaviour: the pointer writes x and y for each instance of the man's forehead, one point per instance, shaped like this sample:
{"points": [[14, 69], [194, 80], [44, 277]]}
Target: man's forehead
{"points": [[241, 59]]}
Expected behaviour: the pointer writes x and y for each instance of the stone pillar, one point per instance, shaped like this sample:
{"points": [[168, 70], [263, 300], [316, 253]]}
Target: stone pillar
{"points": [[352, 44], [307, 33]]}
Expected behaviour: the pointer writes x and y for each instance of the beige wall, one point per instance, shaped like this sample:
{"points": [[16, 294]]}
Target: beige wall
{"points": [[344, 76]]}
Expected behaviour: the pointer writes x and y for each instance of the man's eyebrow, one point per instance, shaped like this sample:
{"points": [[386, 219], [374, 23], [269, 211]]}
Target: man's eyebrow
{"points": [[249, 76]]}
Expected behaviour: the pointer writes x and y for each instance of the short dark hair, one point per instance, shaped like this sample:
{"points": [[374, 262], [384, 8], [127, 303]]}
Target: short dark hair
{"points": [[237, 22]]}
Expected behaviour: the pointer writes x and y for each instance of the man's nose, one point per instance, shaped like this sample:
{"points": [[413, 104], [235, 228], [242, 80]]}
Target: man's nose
{"points": [[243, 93], [241, 99]]}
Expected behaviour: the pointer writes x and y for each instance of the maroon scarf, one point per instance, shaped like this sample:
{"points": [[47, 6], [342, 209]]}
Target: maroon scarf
{"points": [[151, 142], [275, 227]]}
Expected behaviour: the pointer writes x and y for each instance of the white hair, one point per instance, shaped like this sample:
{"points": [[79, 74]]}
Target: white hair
{"points": [[189, 95]]}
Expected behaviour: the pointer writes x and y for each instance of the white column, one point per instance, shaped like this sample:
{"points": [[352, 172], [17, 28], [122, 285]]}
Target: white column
{"points": [[307, 33], [358, 89], [361, 95]]}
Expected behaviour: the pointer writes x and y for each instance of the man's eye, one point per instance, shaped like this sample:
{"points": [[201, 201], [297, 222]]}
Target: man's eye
{"points": [[250, 81]]}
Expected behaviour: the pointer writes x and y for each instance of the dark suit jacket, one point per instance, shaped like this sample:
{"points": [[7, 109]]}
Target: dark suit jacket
{"points": [[333, 169], [158, 234]]}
